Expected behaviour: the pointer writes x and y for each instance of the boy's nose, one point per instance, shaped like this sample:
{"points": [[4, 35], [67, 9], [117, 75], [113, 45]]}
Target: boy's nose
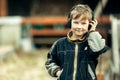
{"points": [[79, 26]]}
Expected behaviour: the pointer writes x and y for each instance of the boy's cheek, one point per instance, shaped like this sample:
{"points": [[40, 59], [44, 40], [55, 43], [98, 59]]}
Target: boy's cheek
{"points": [[73, 27]]}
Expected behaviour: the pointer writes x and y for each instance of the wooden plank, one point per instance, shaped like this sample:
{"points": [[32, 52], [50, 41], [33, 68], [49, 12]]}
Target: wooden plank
{"points": [[50, 20], [104, 19], [49, 32], [47, 40]]}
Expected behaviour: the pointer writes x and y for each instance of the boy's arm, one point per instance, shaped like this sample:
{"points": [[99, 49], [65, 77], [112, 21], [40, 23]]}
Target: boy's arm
{"points": [[96, 42], [51, 63]]}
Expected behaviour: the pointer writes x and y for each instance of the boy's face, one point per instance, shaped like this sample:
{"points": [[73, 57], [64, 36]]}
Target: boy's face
{"points": [[79, 26]]}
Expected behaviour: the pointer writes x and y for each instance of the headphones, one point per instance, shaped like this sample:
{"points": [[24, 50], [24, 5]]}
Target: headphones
{"points": [[69, 19]]}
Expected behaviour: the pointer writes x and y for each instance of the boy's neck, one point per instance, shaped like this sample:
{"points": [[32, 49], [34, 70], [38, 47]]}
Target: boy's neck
{"points": [[73, 37], [76, 37]]}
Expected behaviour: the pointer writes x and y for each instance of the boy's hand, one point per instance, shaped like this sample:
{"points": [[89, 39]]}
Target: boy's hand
{"points": [[59, 73], [93, 24]]}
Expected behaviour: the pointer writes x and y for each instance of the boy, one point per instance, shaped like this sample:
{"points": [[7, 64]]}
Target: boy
{"points": [[75, 57]]}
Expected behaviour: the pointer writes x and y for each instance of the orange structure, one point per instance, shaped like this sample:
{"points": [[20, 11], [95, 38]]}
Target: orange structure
{"points": [[3, 7]]}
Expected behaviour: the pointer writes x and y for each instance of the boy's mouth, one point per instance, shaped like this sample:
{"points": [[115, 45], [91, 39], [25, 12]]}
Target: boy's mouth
{"points": [[78, 30]]}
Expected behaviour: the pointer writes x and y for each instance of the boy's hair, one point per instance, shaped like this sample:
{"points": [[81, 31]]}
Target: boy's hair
{"points": [[78, 10]]}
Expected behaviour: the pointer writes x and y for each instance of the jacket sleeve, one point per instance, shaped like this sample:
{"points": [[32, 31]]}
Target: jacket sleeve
{"points": [[52, 61], [97, 43]]}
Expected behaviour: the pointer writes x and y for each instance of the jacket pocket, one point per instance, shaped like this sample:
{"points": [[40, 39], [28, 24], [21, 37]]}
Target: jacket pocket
{"points": [[64, 72]]}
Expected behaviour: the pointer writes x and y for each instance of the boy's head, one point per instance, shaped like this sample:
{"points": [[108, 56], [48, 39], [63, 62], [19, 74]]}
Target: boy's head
{"points": [[79, 19], [78, 10]]}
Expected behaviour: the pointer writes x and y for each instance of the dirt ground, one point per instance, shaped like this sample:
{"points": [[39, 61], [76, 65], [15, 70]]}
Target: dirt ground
{"points": [[27, 66]]}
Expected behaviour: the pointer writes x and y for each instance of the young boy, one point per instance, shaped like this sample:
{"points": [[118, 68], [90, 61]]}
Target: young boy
{"points": [[75, 57]]}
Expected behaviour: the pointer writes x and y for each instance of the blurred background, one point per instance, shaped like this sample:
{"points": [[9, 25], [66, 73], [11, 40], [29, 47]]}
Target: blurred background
{"points": [[29, 27]]}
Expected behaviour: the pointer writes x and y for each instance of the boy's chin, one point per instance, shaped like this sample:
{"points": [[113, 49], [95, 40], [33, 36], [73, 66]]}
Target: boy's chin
{"points": [[80, 34]]}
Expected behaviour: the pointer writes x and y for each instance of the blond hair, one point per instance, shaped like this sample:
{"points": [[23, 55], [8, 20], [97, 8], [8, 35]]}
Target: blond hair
{"points": [[79, 10]]}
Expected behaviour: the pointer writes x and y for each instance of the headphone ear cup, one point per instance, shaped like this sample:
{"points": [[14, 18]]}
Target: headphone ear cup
{"points": [[69, 23]]}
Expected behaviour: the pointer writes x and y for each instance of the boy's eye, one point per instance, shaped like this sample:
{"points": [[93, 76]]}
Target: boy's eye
{"points": [[83, 23], [76, 22]]}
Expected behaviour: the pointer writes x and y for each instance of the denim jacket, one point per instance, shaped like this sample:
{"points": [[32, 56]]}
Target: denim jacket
{"points": [[76, 60]]}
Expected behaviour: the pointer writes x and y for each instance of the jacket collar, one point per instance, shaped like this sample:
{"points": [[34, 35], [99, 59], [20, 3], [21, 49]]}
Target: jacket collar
{"points": [[69, 36]]}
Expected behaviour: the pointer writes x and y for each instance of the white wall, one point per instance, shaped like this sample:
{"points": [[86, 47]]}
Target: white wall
{"points": [[10, 31]]}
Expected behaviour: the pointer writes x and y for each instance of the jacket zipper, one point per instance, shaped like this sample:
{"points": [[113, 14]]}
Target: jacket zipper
{"points": [[75, 61]]}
